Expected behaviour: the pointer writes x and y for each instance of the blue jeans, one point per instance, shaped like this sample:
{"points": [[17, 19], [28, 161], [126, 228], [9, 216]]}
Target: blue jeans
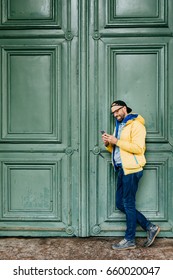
{"points": [[127, 186]]}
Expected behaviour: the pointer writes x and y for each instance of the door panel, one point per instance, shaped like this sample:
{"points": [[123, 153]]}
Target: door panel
{"points": [[135, 13], [130, 66], [31, 92], [39, 131], [24, 13]]}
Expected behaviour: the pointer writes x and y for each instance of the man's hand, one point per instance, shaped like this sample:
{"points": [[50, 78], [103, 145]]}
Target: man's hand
{"points": [[109, 139]]}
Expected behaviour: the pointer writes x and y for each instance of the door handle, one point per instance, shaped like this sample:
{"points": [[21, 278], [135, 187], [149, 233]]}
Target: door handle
{"points": [[97, 151]]}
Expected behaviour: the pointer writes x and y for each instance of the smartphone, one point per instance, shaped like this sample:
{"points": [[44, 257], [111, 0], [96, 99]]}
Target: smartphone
{"points": [[102, 131]]}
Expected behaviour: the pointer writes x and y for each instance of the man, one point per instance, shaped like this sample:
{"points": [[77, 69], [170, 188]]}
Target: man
{"points": [[127, 146]]}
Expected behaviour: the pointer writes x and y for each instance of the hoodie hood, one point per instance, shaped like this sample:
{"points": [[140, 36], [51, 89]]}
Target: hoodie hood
{"points": [[141, 119], [128, 119]]}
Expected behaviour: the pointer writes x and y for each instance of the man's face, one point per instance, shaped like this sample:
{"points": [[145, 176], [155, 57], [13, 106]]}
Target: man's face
{"points": [[119, 112]]}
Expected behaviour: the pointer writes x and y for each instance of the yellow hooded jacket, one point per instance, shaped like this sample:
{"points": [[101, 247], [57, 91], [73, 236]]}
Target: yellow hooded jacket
{"points": [[132, 145]]}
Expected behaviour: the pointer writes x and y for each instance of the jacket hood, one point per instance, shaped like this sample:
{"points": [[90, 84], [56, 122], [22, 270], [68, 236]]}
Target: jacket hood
{"points": [[141, 119], [133, 116], [128, 119]]}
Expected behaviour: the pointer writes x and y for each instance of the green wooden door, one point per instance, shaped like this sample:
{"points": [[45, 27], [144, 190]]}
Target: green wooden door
{"points": [[131, 58], [62, 63], [39, 125]]}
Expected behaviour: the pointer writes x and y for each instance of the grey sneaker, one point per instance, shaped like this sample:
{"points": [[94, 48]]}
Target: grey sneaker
{"points": [[124, 245], [152, 233]]}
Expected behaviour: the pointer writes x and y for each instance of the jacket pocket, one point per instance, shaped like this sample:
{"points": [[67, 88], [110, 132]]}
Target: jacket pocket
{"points": [[132, 161]]}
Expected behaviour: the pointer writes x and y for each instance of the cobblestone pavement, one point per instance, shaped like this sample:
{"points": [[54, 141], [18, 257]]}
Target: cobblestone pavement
{"points": [[81, 249]]}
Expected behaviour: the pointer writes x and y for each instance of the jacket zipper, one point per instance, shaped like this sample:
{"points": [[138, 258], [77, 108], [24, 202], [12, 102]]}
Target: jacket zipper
{"points": [[136, 159]]}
